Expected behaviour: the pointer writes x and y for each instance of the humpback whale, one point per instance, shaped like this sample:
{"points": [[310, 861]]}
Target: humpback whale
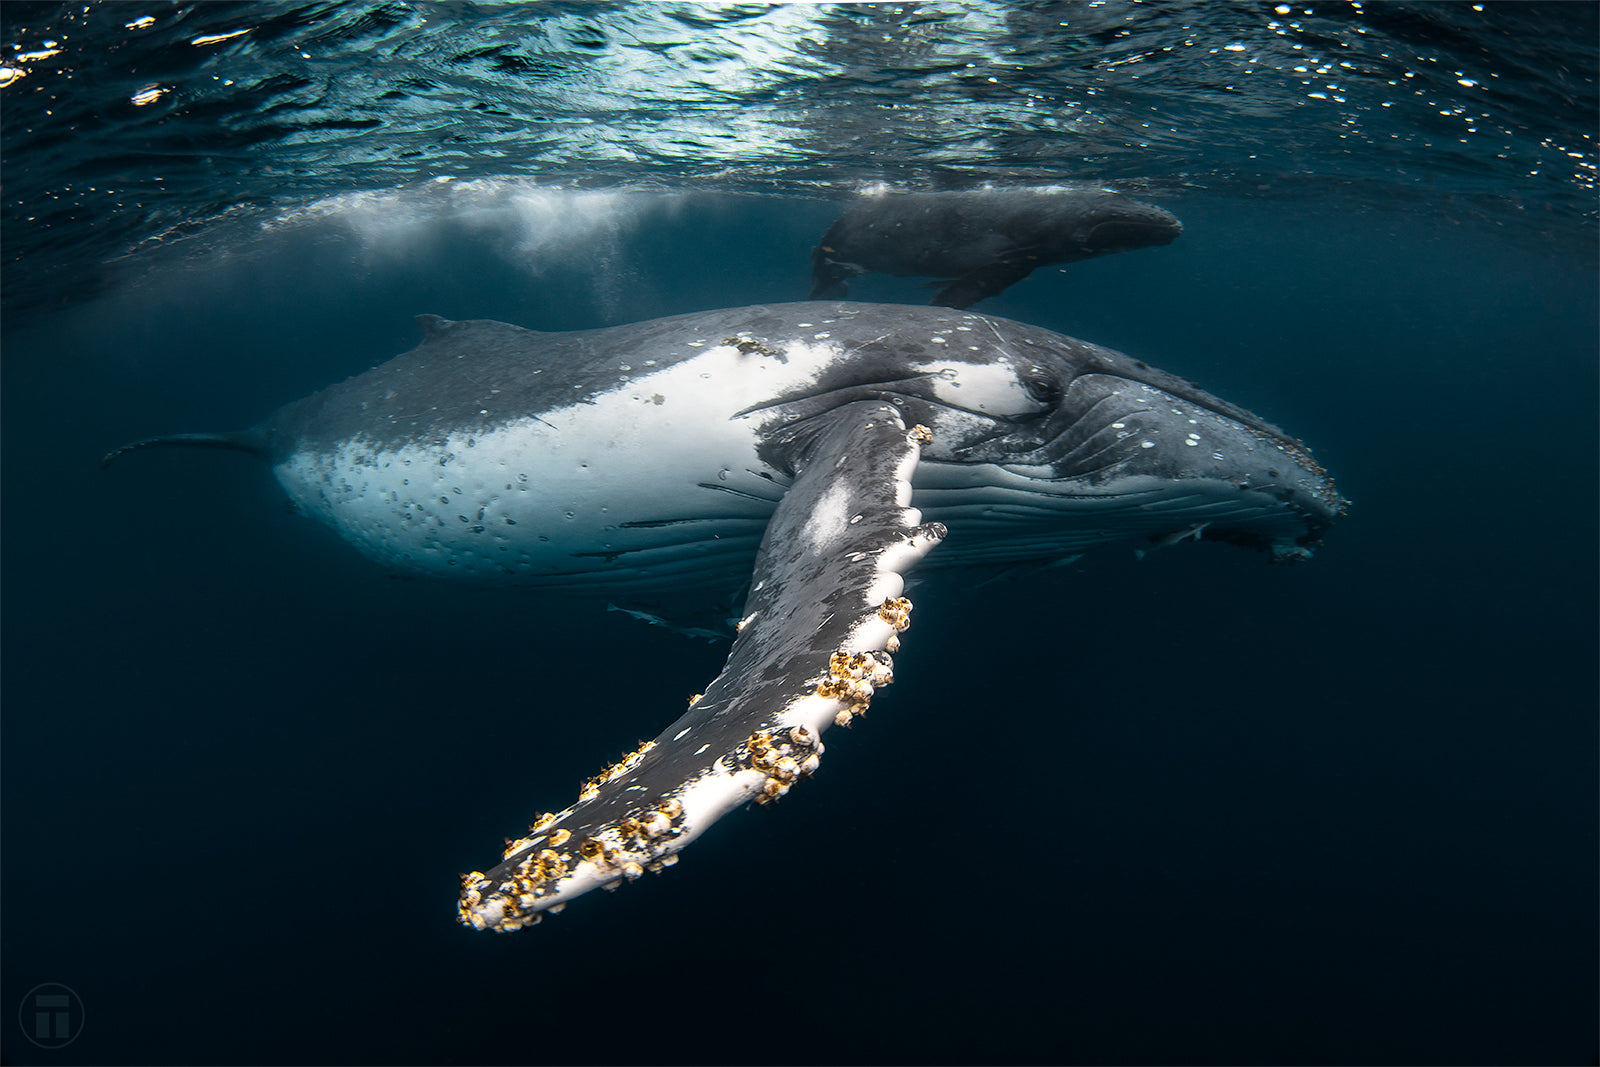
{"points": [[985, 239], [814, 451]]}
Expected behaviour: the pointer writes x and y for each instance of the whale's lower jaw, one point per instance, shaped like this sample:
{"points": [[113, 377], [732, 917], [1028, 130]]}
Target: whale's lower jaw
{"points": [[1016, 520]]}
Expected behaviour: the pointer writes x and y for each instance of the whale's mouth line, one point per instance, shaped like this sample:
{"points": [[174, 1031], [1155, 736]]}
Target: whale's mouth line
{"points": [[1260, 517], [1268, 503]]}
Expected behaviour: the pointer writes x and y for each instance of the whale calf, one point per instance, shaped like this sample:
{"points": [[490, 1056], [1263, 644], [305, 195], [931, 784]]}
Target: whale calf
{"points": [[984, 239], [814, 451]]}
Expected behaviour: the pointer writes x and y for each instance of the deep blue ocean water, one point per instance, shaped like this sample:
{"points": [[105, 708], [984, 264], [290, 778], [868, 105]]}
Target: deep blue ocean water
{"points": [[1186, 809]]}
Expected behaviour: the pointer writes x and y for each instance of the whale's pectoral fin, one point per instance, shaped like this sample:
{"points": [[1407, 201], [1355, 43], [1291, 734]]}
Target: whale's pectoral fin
{"points": [[707, 624], [829, 289], [828, 275], [984, 282], [823, 615]]}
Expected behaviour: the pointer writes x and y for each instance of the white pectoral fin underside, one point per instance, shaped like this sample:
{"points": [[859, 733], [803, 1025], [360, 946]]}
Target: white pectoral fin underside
{"points": [[823, 616]]}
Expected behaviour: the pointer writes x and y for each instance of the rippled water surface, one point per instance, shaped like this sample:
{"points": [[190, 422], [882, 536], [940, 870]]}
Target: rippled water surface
{"points": [[128, 124]]}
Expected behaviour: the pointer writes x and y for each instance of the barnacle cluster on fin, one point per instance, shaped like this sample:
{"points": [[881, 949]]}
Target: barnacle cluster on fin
{"points": [[813, 648], [516, 896], [853, 677]]}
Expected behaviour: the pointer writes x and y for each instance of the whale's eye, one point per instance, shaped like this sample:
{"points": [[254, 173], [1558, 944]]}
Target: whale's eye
{"points": [[1040, 385]]}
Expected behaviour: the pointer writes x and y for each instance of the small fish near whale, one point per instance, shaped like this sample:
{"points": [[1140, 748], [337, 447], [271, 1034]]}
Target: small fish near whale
{"points": [[817, 451], [984, 239]]}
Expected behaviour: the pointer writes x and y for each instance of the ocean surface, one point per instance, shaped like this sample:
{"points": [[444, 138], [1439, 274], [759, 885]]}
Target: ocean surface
{"points": [[1190, 808]]}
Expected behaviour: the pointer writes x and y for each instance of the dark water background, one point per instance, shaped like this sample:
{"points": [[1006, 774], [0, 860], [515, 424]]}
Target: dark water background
{"points": [[1189, 809]]}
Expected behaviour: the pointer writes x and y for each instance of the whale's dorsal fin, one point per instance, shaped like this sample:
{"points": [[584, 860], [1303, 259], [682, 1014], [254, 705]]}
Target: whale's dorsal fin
{"points": [[822, 618]]}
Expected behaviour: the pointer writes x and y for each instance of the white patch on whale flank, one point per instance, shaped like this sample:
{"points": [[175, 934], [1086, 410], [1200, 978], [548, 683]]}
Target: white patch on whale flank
{"points": [[548, 498], [987, 387]]}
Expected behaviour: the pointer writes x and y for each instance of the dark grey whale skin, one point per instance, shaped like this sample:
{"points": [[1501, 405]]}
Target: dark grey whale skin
{"points": [[984, 239]]}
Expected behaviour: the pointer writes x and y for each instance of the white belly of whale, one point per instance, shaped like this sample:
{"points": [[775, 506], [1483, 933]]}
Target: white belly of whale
{"points": [[543, 506], [649, 486]]}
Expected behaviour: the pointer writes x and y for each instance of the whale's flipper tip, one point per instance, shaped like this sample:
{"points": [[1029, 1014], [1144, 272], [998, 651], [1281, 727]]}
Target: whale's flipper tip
{"points": [[249, 441]]}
